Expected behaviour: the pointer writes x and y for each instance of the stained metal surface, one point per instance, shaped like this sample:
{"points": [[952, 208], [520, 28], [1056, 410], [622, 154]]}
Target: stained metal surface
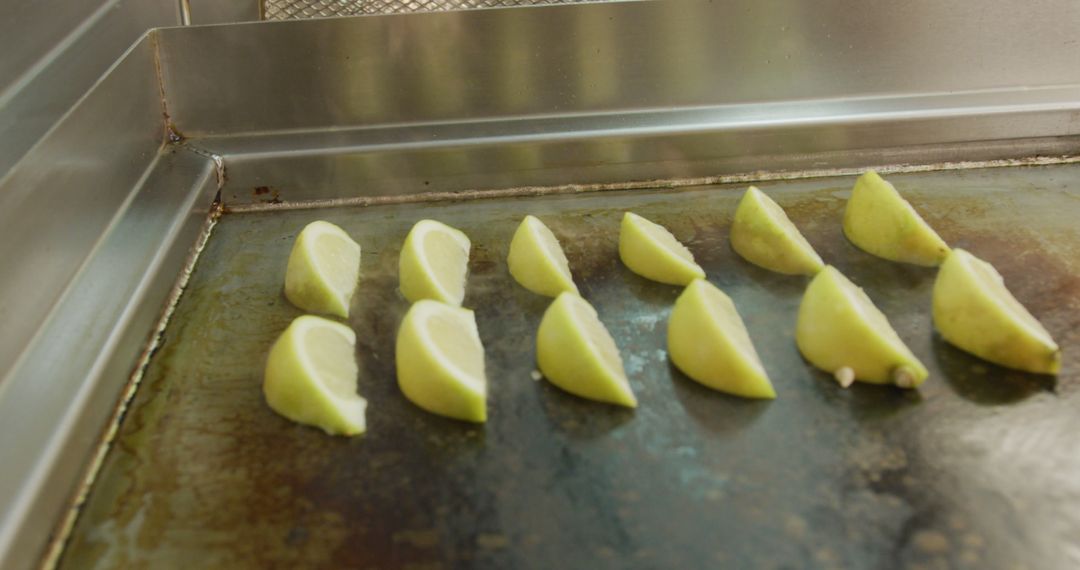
{"points": [[609, 57], [453, 102], [299, 168], [975, 470], [66, 384]]}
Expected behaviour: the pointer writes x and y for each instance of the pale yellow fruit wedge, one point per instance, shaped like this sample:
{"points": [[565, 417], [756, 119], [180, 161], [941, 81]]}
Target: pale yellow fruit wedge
{"points": [[440, 361], [311, 376], [764, 236], [650, 250], [708, 341], [576, 353], [323, 268], [839, 330], [881, 222], [536, 260], [434, 263], [974, 311]]}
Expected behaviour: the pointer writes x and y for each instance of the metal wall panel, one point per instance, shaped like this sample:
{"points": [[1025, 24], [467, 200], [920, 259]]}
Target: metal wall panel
{"points": [[54, 52], [604, 57], [70, 379], [56, 202]]}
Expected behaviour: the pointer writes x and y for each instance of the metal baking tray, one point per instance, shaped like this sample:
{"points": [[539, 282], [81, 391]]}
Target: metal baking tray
{"points": [[976, 469], [134, 429]]}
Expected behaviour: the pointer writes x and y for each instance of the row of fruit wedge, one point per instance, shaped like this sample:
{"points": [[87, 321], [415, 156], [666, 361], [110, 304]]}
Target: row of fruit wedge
{"points": [[311, 374]]}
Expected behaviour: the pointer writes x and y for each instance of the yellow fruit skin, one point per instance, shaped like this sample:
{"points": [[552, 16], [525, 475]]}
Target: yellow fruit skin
{"points": [[706, 353], [304, 287], [969, 318], [416, 283], [416, 286], [644, 257], [290, 392], [535, 273], [567, 361], [761, 241], [879, 221], [424, 380], [832, 334]]}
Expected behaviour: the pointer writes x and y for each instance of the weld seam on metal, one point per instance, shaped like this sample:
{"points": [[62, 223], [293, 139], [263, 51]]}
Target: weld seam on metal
{"points": [[67, 523], [670, 184], [219, 161]]}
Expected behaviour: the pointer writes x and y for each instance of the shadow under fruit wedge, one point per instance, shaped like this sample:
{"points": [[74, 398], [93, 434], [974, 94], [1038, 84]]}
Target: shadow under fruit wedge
{"points": [[440, 361], [763, 235], [323, 267], [975, 312], [536, 260], [708, 341], [880, 221], [650, 250], [840, 331], [576, 353], [311, 376], [434, 263]]}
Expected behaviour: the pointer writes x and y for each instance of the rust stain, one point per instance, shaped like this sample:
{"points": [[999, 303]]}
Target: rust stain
{"points": [[757, 177], [267, 195], [204, 473], [172, 132]]}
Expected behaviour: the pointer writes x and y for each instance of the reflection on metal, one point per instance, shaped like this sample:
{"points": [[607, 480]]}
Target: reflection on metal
{"points": [[873, 476], [53, 55], [69, 190], [185, 12], [685, 65], [389, 112], [85, 350], [301, 9]]}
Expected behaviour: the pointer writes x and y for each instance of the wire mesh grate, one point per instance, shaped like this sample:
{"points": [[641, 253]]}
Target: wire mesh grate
{"points": [[301, 9]]}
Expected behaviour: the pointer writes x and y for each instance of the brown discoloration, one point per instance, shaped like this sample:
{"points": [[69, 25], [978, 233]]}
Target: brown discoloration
{"points": [[203, 473], [267, 195], [172, 133]]}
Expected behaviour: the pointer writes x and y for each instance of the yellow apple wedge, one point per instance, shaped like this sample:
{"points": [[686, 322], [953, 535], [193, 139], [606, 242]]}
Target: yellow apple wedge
{"points": [[652, 252], [763, 235], [576, 353], [536, 260], [323, 267], [975, 312], [708, 341], [440, 361], [434, 263], [880, 221], [840, 331], [311, 376]]}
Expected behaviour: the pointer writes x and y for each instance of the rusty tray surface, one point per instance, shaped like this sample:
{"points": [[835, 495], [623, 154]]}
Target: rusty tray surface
{"points": [[978, 469]]}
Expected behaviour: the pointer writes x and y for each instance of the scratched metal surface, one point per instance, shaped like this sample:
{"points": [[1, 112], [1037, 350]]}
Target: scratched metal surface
{"points": [[979, 469]]}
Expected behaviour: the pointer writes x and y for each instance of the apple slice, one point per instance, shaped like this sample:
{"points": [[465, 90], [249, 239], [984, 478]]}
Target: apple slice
{"points": [[839, 330], [577, 353], [764, 236], [651, 251], [881, 222], [708, 341], [974, 311]]}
